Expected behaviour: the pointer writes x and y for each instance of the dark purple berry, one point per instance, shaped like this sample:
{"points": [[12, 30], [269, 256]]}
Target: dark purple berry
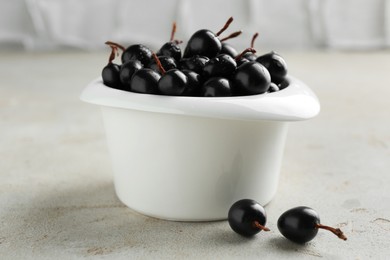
{"points": [[145, 81], [276, 66], [247, 217], [216, 87], [301, 225]]}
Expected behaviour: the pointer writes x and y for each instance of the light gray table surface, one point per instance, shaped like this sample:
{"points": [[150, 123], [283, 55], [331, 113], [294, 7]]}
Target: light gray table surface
{"points": [[57, 199]]}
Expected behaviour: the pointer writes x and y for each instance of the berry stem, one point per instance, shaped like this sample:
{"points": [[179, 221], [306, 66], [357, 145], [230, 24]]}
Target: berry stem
{"points": [[110, 43], [114, 50], [159, 65], [245, 51], [253, 39], [335, 231], [233, 35], [256, 224], [173, 32], [228, 22]]}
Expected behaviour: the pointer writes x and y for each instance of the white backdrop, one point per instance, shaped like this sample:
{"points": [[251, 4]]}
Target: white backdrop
{"points": [[87, 24]]}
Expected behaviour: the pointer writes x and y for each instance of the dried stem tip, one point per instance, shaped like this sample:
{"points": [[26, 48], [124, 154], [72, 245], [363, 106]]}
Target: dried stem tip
{"points": [[256, 224], [335, 231], [228, 22], [233, 35], [173, 31], [114, 50], [253, 39]]}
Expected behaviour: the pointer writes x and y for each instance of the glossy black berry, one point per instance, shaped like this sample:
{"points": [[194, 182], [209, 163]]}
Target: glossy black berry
{"points": [[127, 71], [137, 52], [167, 62], [229, 50], [251, 78], [216, 87], [171, 48], [247, 217], [273, 87], [221, 66], [284, 84], [193, 84], [173, 83], [301, 225], [110, 75], [250, 56], [276, 66], [145, 81], [241, 61], [205, 42], [195, 63]]}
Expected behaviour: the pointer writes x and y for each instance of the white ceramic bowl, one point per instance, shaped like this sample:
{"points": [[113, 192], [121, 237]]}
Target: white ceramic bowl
{"points": [[191, 158]]}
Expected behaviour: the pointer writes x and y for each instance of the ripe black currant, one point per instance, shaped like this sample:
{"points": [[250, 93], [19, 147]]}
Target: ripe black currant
{"points": [[137, 52], [167, 62], [221, 66], [127, 71], [110, 73], [250, 55], [229, 50], [205, 42], [172, 82], [276, 66], [145, 81], [273, 87], [247, 217], [171, 48], [301, 224], [251, 77], [195, 63], [216, 87], [193, 84]]}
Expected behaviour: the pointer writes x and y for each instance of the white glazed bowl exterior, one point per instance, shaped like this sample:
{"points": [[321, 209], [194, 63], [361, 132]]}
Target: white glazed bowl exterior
{"points": [[191, 158]]}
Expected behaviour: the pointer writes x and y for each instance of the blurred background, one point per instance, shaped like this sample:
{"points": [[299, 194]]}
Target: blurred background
{"points": [[298, 24]]}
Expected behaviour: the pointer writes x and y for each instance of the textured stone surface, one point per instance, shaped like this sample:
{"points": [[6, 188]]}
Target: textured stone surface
{"points": [[57, 198]]}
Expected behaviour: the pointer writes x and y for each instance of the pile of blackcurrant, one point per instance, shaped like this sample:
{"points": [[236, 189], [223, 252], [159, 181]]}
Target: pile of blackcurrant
{"points": [[300, 224], [208, 67]]}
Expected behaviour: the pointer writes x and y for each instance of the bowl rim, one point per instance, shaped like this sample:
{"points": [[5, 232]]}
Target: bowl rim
{"points": [[294, 103]]}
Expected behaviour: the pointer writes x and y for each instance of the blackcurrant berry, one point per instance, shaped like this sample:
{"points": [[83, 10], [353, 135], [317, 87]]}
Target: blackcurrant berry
{"points": [[205, 42], [173, 83], [216, 87], [221, 66], [229, 50], [251, 78], [137, 52], [110, 73], [276, 66], [247, 217], [145, 81], [273, 88], [167, 62], [193, 84], [195, 63], [250, 55], [284, 84], [171, 48], [127, 72], [241, 61], [301, 225]]}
